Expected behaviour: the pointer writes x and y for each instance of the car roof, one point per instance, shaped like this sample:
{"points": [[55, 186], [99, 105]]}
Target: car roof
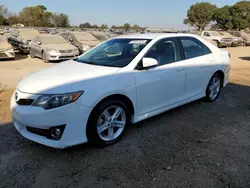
{"points": [[154, 35]]}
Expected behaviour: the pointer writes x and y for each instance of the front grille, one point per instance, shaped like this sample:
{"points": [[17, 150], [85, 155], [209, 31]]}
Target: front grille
{"points": [[65, 51], [66, 57], [25, 102]]}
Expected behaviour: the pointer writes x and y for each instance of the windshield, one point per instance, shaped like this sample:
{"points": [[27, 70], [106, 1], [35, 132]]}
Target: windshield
{"points": [[101, 36], [226, 34], [28, 33], [114, 53], [53, 40], [83, 36], [215, 33]]}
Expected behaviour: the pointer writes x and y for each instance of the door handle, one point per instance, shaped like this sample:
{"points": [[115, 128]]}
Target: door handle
{"points": [[180, 69]]}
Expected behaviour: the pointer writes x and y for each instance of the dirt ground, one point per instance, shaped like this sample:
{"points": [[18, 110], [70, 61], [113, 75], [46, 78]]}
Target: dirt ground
{"points": [[198, 145]]}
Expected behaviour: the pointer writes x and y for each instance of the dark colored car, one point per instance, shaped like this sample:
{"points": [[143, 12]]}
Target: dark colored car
{"points": [[21, 38]]}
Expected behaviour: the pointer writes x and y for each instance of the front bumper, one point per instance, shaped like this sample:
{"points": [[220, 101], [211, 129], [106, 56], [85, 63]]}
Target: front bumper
{"points": [[7, 54], [74, 116], [56, 56], [24, 48]]}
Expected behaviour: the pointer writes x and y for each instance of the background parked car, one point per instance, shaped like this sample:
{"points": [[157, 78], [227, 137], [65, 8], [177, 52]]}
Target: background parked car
{"points": [[52, 48], [222, 41], [243, 35], [21, 38], [82, 40], [101, 36], [6, 50], [237, 41]]}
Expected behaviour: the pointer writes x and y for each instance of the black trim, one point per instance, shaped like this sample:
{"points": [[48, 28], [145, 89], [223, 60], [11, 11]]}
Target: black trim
{"points": [[46, 132], [25, 102]]}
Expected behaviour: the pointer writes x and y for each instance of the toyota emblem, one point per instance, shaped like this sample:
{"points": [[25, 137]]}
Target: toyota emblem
{"points": [[16, 96]]}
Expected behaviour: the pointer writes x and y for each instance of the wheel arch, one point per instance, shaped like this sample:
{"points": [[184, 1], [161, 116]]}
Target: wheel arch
{"points": [[120, 97], [221, 73]]}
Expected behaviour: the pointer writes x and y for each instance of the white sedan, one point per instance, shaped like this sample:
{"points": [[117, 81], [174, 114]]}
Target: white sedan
{"points": [[121, 81]]}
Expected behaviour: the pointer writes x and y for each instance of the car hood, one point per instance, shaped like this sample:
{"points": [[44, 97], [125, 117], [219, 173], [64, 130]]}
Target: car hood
{"points": [[67, 77], [59, 46]]}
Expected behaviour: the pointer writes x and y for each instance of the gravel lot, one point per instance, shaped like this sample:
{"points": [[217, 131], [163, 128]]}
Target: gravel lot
{"points": [[198, 145]]}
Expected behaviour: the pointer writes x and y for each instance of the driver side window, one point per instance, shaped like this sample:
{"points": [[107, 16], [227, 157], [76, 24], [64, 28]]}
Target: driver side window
{"points": [[165, 51]]}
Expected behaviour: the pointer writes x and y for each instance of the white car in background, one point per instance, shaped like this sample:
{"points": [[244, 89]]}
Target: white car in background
{"points": [[121, 81]]}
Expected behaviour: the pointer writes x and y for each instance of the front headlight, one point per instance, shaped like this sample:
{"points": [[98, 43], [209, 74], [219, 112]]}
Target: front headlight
{"points": [[53, 50], [85, 48], [54, 101]]}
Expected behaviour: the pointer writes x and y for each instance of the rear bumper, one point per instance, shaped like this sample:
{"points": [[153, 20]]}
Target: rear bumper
{"points": [[225, 43], [237, 43], [8, 54]]}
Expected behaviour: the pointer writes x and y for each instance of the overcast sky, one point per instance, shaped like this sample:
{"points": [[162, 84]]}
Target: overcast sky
{"points": [[148, 13]]}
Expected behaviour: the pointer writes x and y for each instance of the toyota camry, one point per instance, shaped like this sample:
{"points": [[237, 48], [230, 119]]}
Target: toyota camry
{"points": [[95, 97]]}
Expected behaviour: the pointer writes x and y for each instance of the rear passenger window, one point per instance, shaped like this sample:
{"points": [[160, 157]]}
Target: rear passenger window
{"points": [[193, 48]]}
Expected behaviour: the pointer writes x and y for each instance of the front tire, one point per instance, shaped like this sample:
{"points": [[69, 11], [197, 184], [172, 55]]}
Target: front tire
{"points": [[32, 55], [214, 88], [44, 57], [108, 123]]}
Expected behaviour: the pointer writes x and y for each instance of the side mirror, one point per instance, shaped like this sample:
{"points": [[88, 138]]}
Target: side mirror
{"points": [[149, 62], [39, 43], [70, 40]]}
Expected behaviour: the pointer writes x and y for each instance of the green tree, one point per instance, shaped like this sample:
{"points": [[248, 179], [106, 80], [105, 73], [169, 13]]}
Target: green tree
{"points": [[3, 15], [223, 18], [104, 26], [12, 19], [37, 16], [60, 20], [240, 13], [200, 15], [126, 26]]}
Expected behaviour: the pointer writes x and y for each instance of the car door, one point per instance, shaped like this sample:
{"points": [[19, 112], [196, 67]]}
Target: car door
{"points": [[198, 64], [164, 84], [37, 46]]}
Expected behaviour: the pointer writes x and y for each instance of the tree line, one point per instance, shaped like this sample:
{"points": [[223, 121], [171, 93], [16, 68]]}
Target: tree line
{"points": [[39, 16], [236, 17], [126, 26], [33, 16]]}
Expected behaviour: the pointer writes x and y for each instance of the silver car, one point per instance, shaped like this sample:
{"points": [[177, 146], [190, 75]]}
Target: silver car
{"points": [[6, 50], [52, 48]]}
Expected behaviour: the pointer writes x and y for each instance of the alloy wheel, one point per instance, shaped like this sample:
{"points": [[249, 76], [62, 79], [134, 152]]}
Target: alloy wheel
{"points": [[214, 88], [111, 123]]}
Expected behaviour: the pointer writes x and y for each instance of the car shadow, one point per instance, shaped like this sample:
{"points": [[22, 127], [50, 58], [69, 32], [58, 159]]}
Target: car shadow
{"points": [[245, 58]]}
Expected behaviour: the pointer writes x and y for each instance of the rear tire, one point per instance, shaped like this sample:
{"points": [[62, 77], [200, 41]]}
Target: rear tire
{"points": [[101, 130], [214, 88]]}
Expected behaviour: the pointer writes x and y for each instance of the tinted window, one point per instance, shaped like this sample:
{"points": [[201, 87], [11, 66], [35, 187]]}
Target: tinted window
{"points": [[166, 51], [193, 48]]}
